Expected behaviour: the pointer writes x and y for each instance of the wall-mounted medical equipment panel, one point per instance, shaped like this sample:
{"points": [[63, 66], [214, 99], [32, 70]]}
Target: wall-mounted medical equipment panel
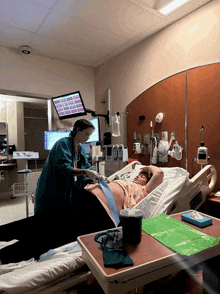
{"points": [[202, 152], [97, 159], [138, 147], [146, 138], [176, 152], [122, 153], [108, 151], [158, 150], [117, 152]]}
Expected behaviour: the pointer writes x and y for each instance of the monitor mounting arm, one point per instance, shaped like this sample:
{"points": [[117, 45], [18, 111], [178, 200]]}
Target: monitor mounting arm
{"points": [[106, 116]]}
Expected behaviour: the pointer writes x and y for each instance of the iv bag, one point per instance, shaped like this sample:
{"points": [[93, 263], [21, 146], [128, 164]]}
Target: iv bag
{"points": [[163, 151], [116, 125]]}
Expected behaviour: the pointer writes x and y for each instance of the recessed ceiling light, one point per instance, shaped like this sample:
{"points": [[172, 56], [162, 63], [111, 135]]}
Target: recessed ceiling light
{"points": [[172, 6], [25, 49]]}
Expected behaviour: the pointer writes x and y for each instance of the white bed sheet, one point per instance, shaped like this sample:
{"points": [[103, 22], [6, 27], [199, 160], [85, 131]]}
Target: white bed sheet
{"points": [[38, 273]]}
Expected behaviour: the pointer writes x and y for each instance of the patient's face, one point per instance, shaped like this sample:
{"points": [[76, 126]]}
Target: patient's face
{"points": [[141, 179]]}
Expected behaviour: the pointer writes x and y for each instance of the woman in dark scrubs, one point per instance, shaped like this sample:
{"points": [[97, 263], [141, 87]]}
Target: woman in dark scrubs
{"points": [[64, 170]]}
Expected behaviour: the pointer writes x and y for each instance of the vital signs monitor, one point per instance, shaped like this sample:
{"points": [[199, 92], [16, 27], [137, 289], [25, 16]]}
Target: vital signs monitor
{"points": [[50, 137]]}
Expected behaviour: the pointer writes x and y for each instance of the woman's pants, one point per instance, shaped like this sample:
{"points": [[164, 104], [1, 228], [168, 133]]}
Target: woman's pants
{"points": [[38, 234]]}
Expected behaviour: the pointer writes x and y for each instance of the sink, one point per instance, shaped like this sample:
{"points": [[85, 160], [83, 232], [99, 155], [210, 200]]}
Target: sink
{"points": [[5, 166]]}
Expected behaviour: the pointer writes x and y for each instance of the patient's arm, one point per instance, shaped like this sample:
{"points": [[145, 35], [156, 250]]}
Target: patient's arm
{"points": [[156, 179]]}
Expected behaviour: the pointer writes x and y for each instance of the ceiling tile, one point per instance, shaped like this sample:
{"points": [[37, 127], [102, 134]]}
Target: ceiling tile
{"points": [[42, 44], [13, 37], [74, 31], [80, 55], [85, 34], [46, 3], [22, 14], [141, 37], [118, 16], [55, 23], [70, 7], [152, 30], [149, 3]]}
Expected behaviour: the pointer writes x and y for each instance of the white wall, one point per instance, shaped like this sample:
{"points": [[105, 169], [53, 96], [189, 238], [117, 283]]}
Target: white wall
{"points": [[44, 77], [192, 41], [38, 77]]}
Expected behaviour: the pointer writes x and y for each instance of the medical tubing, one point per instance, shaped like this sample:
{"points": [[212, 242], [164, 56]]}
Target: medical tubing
{"points": [[111, 200], [154, 159], [171, 140], [155, 150]]}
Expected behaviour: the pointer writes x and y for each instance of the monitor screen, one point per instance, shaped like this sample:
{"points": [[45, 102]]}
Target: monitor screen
{"points": [[95, 137], [69, 105], [3, 142], [50, 138]]}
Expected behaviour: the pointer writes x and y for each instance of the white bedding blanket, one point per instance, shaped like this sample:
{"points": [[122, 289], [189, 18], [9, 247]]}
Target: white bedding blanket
{"points": [[38, 273]]}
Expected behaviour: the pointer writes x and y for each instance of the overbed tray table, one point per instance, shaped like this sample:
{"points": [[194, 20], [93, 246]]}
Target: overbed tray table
{"points": [[152, 260]]}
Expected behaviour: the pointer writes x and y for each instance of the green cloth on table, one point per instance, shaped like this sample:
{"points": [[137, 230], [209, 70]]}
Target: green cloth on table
{"points": [[114, 254], [176, 235]]}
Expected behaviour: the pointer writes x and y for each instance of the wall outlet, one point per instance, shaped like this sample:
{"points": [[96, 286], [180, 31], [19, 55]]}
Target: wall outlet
{"points": [[147, 138], [165, 136], [172, 135], [138, 138]]}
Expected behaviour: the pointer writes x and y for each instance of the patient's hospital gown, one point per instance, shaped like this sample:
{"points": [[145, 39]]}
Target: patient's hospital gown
{"points": [[56, 184]]}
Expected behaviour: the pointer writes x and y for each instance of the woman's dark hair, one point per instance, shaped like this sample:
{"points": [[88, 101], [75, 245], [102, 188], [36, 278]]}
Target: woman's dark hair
{"points": [[148, 177], [82, 124]]}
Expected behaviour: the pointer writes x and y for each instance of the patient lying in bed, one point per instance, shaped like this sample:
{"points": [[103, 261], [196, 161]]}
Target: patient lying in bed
{"points": [[128, 194], [88, 213]]}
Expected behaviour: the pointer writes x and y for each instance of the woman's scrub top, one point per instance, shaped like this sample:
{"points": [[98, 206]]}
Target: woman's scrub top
{"points": [[56, 184]]}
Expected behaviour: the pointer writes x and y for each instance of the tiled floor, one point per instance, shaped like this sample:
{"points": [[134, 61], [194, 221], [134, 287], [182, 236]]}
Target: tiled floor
{"points": [[14, 209]]}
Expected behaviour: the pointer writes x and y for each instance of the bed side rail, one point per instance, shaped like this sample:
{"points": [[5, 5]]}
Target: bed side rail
{"points": [[206, 178], [195, 193]]}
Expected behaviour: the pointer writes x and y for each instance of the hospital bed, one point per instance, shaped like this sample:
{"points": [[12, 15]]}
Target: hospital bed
{"points": [[63, 268]]}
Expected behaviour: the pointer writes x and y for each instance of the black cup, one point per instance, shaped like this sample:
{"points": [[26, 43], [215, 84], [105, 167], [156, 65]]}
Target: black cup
{"points": [[131, 221]]}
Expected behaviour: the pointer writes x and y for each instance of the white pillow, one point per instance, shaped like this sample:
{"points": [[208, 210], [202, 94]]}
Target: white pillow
{"points": [[148, 204], [163, 196], [169, 172], [174, 172], [172, 192]]}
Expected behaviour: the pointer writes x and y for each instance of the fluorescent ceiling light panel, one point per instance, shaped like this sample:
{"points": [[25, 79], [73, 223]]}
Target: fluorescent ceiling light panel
{"points": [[172, 6]]}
